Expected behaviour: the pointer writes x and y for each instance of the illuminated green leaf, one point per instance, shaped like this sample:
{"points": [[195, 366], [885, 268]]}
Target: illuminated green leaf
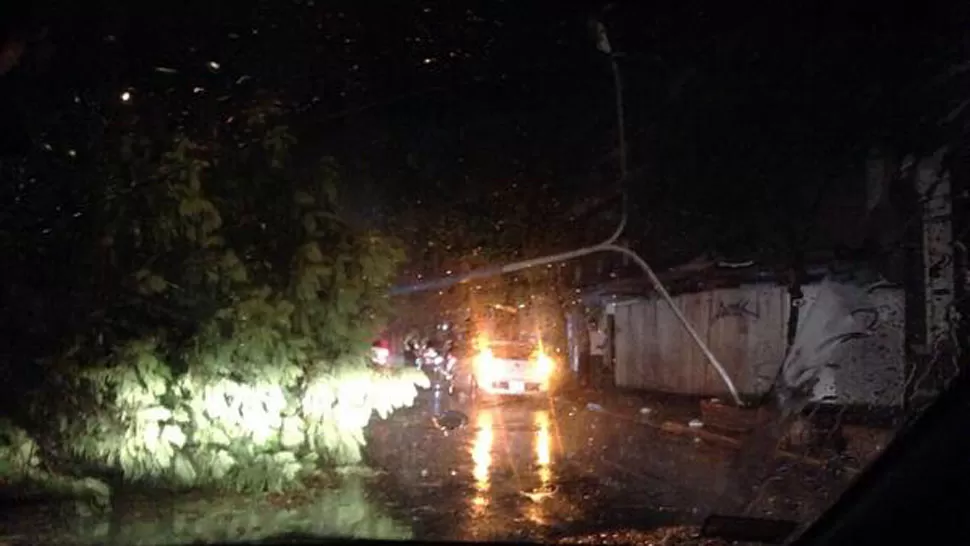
{"points": [[238, 273], [191, 206], [311, 251], [303, 198], [156, 283], [213, 240]]}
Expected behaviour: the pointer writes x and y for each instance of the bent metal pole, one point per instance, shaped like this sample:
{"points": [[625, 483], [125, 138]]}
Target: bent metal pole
{"points": [[609, 245]]}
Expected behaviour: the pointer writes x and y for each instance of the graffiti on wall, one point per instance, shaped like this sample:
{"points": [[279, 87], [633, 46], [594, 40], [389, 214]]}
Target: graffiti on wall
{"points": [[741, 309], [868, 317]]}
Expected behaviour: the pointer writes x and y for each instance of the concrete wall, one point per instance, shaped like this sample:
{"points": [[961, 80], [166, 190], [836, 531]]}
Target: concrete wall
{"points": [[745, 328], [871, 371]]}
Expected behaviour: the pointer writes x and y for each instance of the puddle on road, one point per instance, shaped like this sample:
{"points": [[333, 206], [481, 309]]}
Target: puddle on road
{"points": [[340, 509], [510, 474]]}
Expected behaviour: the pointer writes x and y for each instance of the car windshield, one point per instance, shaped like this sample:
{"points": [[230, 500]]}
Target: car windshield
{"points": [[738, 237]]}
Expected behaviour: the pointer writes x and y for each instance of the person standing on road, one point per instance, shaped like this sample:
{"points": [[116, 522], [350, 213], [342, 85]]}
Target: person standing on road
{"points": [[597, 350]]}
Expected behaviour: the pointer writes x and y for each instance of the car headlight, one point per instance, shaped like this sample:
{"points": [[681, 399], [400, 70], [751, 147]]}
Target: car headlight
{"points": [[484, 366], [543, 367]]}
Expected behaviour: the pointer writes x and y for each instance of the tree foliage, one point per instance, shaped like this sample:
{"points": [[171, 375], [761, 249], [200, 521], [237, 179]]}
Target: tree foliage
{"points": [[232, 306], [233, 237]]}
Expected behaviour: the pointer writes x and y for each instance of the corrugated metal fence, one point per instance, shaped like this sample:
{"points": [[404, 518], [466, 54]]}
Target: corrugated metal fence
{"points": [[745, 328]]}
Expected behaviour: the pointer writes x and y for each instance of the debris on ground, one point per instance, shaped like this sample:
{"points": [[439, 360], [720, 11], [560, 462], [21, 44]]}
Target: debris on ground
{"points": [[538, 495], [359, 470], [668, 536]]}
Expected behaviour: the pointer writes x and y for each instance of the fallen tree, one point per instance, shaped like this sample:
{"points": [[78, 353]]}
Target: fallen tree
{"points": [[231, 309]]}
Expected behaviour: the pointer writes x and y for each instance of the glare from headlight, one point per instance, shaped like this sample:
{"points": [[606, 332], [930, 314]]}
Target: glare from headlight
{"points": [[484, 366], [543, 367]]}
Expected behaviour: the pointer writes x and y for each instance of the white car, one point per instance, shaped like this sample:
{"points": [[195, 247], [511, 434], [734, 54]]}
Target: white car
{"points": [[510, 368]]}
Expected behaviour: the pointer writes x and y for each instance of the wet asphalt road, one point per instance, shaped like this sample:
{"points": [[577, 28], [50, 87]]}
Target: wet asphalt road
{"points": [[538, 469]]}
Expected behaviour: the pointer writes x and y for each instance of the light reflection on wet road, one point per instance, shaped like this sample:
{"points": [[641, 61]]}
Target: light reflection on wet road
{"points": [[482, 458], [536, 469], [521, 469]]}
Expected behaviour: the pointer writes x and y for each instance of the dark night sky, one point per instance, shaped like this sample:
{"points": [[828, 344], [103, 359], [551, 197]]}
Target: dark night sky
{"points": [[731, 112]]}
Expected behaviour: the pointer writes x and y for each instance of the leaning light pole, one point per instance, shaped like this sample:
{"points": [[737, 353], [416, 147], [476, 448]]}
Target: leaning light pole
{"points": [[608, 245]]}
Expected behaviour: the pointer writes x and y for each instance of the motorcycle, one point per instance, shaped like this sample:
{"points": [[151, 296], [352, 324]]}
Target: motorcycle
{"points": [[447, 372], [440, 367]]}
